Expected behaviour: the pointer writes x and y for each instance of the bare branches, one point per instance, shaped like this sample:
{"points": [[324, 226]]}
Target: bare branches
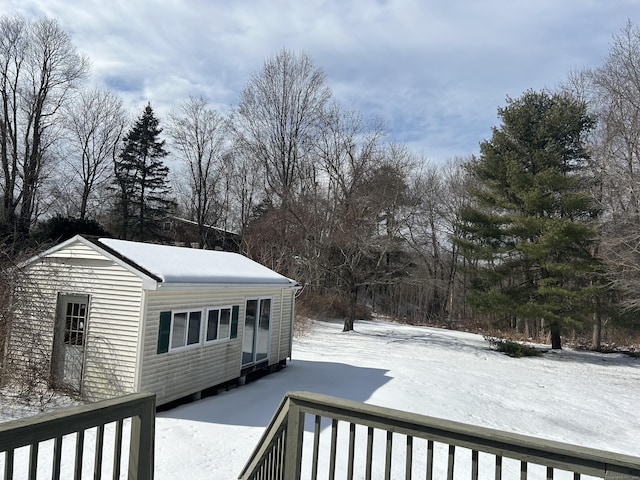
{"points": [[39, 66], [198, 133], [95, 122], [278, 115], [614, 94]]}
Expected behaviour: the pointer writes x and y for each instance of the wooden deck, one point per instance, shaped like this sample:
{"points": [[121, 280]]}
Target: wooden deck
{"points": [[409, 443]]}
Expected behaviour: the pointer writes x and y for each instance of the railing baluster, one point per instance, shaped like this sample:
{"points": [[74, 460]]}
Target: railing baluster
{"points": [[267, 463], [77, 474], [277, 457], [271, 471], [549, 473], [97, 464], [451, 458], [523, 470], [282, 449], [369, 460], [332, 453], [352, 449], [408, 458], [429, 474], [117, 450], [8, 465], [316, 447], [474, 465], [33, 461], [498, 475], [387, 460], [268, 471], [57, 458], [274, 461]]}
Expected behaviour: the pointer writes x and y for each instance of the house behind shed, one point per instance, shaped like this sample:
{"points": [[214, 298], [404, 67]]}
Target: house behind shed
{"points": [[107, 317]]}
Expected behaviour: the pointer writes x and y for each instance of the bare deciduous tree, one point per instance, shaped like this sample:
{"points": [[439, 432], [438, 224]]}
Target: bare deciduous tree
{"points": [[277, 118], [95, 122], [434, 291], [613, 92], [198, 133], [366, 187], [247, 190], [38, 68]]}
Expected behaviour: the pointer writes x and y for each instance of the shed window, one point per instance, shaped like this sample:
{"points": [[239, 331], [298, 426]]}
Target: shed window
{"points": [[218, 323], [185, 328], [75, 318]]}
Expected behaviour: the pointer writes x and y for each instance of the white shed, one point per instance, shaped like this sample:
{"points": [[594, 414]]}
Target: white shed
{"points": [[111, 317]]}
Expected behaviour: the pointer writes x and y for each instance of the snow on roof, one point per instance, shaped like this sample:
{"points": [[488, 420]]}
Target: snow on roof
{"points": [[190, 265]]}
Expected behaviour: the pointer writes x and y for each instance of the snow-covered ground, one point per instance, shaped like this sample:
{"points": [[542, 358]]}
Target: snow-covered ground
{"points": [[577, 397]]}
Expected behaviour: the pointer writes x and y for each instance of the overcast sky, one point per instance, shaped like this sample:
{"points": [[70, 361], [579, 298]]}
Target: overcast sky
{"points": [[435, 71]]}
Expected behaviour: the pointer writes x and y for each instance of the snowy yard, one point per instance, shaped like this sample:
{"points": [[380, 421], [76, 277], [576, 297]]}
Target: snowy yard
{"points": [[577, 397]]}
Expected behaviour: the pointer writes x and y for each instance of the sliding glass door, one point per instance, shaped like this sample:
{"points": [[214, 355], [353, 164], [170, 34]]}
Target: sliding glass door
{"points": [[257, 328]]}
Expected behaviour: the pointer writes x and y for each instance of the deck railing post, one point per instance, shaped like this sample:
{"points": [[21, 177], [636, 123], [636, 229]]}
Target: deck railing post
{"points": [[293, 446], [141, 446]]}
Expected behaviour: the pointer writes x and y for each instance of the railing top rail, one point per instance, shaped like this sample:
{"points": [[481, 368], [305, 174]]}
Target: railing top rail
{"points": [[29, 430], [512, 445]]}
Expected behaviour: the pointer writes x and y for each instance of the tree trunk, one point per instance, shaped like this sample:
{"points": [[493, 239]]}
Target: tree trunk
{"points": [[597, 327], [556, 341], [353, 300]]}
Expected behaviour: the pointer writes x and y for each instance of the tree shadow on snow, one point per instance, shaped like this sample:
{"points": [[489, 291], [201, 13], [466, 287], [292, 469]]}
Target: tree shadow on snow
{"points": [[593, 358], [436, 336], [255, 403]]}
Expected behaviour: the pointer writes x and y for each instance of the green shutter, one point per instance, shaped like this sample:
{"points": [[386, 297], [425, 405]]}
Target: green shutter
{"points": [[234, 321], [164, 331]]}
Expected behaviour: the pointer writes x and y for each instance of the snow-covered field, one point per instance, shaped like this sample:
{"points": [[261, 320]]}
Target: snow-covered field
{"points": [[577, 397]]}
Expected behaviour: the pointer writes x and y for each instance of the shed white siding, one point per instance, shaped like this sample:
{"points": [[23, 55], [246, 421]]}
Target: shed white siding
{"points": [[188, 370], [282, 344], [113, 320]]}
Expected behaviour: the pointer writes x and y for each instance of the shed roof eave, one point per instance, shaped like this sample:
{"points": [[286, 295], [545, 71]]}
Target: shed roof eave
{"points": [[149, 281], [48, 251], [165, 286]]}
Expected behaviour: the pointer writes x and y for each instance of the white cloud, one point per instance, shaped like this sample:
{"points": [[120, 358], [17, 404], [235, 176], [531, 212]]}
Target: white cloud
{"points": [[434, 71]]}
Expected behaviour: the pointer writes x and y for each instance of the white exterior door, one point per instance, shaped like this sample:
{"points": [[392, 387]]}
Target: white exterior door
{"points": [[69, 342]]}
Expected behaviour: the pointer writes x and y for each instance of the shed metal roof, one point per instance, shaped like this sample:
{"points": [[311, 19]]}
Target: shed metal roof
{"points": [[169, 264]]}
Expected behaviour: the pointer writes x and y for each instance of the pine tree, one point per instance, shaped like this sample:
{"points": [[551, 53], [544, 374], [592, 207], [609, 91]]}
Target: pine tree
{"points": [[141, 177], [529, 228]]}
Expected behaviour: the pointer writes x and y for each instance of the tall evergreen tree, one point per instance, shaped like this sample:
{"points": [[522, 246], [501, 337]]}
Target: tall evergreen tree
{"points": [[141, 176], [529, 228]]}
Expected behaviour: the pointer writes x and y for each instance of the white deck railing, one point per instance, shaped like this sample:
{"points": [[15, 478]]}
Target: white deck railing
{"points": [[68, 426], [406, 446]]}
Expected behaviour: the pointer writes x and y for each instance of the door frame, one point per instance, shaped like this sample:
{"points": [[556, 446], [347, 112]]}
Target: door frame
{"points": [[256, 323], [58, 352]]}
